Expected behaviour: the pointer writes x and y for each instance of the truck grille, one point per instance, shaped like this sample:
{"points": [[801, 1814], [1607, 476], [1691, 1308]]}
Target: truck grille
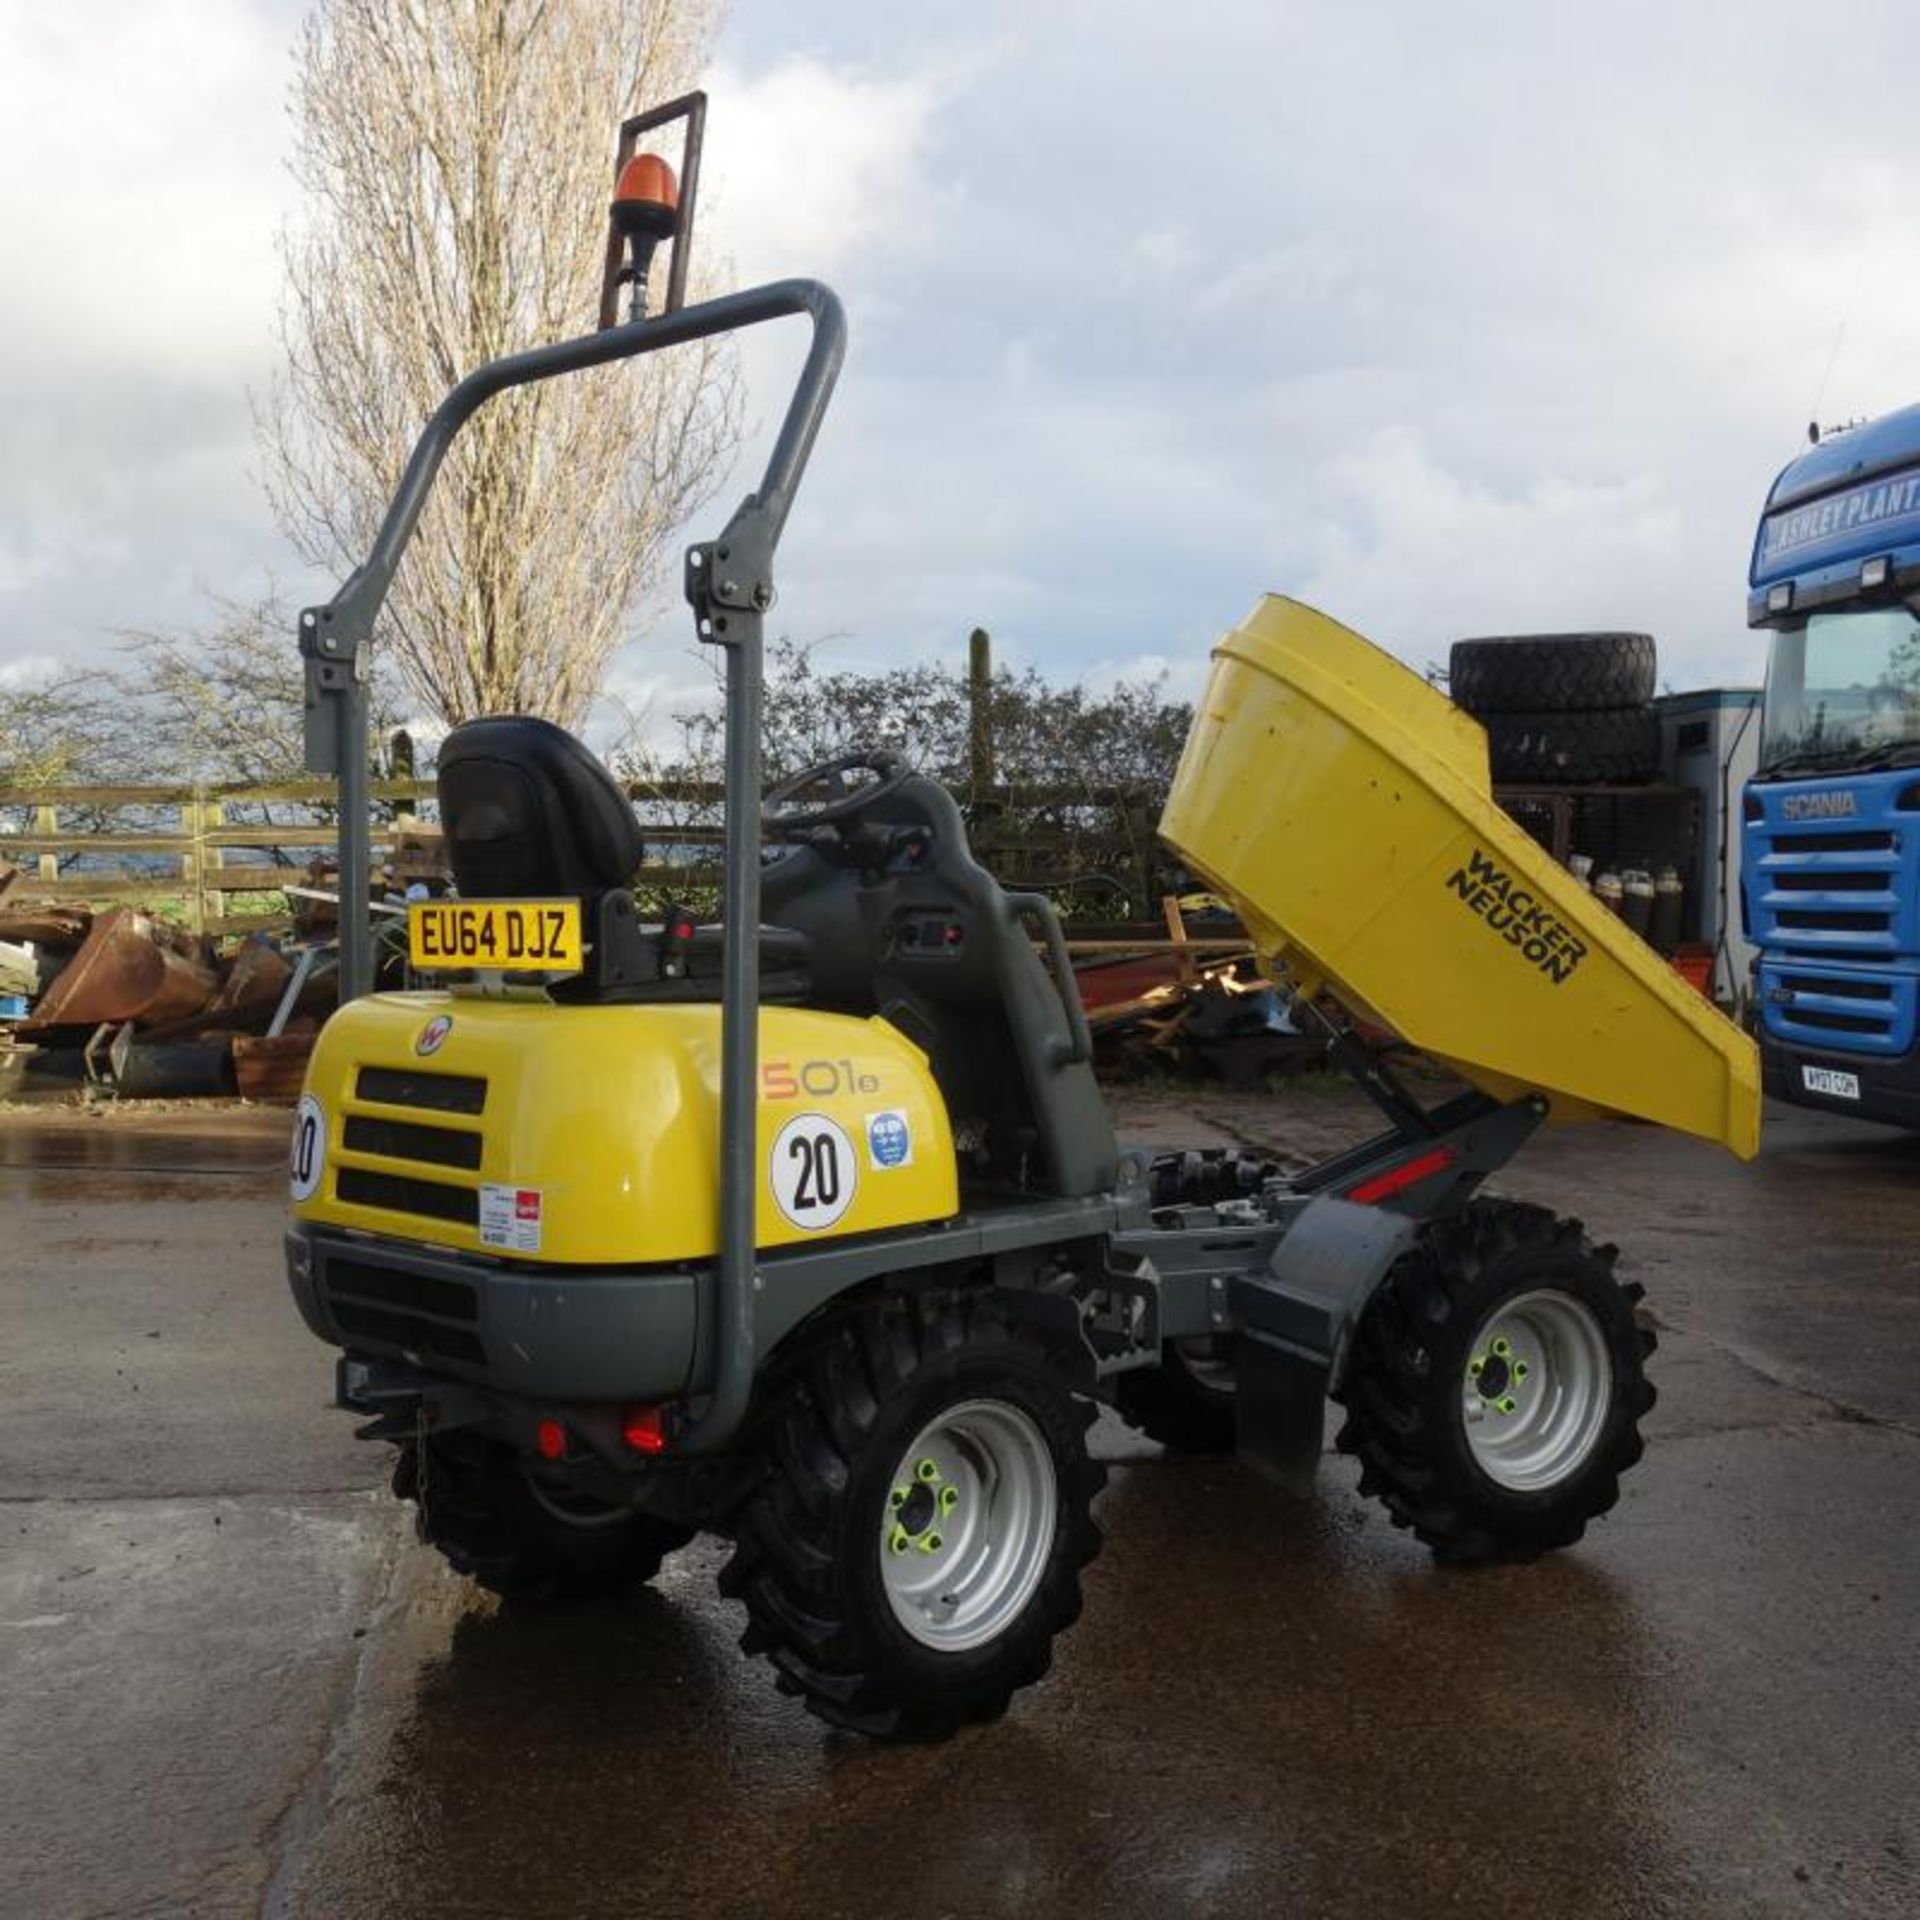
{"points": [[1852, 1009], [409, 1168], [1834, 906], [1829, 893], [419, 1314]]}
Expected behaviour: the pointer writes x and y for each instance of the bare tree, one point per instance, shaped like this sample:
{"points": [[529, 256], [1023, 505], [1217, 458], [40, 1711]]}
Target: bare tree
{"points": [[56, 730], [457, 158], [223, 704]]}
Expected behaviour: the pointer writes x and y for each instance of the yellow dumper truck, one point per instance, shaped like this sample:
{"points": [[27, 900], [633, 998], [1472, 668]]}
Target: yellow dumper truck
{"points": [[809, 1228]]}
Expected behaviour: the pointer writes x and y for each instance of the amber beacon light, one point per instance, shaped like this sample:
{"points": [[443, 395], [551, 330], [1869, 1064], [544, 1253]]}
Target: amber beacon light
{"points": [[651, 203], [645, 211]]}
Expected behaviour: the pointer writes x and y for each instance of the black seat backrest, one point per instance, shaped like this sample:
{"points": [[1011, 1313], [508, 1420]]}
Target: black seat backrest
{"points": [[935, 946], [527, 811]]}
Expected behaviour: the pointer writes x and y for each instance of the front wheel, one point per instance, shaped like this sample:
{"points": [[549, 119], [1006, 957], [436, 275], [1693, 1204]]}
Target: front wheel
{"points": [[1497, 1384], [915, 1538]]}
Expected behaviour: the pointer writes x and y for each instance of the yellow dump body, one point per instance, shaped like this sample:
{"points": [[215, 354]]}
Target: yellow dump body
{"points": [[1343, 806]]}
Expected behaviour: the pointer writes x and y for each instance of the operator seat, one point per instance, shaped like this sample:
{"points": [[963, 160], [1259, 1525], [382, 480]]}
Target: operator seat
{"points": [[529, 813], [527, 810]]}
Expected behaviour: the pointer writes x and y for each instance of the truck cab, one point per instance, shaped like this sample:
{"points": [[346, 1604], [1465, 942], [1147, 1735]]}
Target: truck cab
{"points": [[1831, 817]]}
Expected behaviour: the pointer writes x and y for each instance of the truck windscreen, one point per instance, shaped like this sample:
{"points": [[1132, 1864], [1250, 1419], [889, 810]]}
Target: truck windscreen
{"points": [[1843, 688]]}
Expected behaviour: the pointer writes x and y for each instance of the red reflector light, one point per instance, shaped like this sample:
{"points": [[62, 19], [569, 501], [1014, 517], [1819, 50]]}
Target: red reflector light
{"points": [[645, 1429], [1409, 1173], [551, 1439]]}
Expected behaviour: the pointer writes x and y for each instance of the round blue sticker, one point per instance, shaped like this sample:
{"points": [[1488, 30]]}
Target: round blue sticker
{"points": [[889, 1140]]}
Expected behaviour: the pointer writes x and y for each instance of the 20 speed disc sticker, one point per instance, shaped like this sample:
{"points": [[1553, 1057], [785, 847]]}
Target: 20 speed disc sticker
{"points": [[812, 1171], [307, 1156]]}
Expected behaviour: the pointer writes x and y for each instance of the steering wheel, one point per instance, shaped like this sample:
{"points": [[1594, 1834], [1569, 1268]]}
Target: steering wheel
{"points": [[780, 814]]}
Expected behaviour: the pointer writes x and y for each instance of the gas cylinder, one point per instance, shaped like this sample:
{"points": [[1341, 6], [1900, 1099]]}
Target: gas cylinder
{"points": [[1636, 906], [1667, 900]]}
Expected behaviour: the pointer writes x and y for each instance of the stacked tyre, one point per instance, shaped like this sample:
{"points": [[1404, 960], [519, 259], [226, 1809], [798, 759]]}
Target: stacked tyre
{"points": [[1562, 709]]}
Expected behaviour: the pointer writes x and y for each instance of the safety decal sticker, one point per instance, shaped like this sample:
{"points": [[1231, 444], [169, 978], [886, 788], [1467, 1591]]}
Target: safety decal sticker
{"points": [[890, 1139], [812, 1171], [510, 1217]]}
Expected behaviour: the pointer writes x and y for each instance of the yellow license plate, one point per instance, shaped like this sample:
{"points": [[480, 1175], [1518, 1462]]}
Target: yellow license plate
{"points": [[507, 936]]}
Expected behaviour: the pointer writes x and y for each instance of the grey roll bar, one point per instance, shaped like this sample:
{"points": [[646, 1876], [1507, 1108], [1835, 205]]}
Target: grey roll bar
{"points": [[730, 587]]}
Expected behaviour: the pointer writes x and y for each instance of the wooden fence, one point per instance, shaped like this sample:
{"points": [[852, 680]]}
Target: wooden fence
{"points": [[154, 843]]}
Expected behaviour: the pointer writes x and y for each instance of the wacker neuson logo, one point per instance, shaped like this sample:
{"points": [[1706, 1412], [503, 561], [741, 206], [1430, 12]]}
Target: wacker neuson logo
{"points": [[1518, 917]]}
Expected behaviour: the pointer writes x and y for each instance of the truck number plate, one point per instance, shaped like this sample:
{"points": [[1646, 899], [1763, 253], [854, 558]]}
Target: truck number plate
{"points": [[508, 936], [1830, 1081]]}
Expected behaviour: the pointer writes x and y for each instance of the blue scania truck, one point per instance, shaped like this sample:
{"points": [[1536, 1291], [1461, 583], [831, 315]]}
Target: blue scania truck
{"points": [[1831, 817]]}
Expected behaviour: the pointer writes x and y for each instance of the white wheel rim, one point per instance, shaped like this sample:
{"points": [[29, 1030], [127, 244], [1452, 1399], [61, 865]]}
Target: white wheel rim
{"points": [[967, 1524], [1536, 1390]]}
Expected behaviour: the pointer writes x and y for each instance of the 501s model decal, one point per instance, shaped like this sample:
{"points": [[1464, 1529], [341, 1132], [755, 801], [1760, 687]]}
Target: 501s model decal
{"points": [[817, 1079], [1518, 916], [813, 1171]]}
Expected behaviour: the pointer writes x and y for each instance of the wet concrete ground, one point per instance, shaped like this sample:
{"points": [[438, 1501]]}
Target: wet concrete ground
{"points": [[230, 1683]]}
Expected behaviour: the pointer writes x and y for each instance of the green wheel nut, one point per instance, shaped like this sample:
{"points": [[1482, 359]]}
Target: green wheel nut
{"points": [[1519, 1369], [928, 1470], [1475, 1368], [898, 1498], [899, 1540], [932, 1543], [1503, 1347], [949, 1499], [1508, 1404]]}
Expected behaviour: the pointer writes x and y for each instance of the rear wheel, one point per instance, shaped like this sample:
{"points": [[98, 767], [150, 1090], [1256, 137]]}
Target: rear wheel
{"points": [[915, 1539], [1497, 1385], [481, 1506]]}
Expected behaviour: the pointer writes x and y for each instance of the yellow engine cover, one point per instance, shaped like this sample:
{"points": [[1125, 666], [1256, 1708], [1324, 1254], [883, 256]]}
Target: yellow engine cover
{"points": [[590, 1135]]}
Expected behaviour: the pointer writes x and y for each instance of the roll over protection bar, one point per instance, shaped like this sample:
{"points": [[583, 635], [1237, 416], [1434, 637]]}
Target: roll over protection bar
{"points": [[729, 584]]}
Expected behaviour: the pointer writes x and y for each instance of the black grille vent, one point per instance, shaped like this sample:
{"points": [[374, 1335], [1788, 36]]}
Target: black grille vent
{"points": [[1839, 989], [402, 1140], [1837, 1022], [396, 1191], [421, 1314], [404, 1292], [1836, 922], [1864, 841], [428, 1338], [413, 1087], [1832, 880]]}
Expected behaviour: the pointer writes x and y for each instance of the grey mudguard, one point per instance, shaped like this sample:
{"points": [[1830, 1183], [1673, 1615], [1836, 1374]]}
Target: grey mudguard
{"points": [[1296, 1321]]}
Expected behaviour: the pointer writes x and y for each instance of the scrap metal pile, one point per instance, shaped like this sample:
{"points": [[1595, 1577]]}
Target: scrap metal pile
{"points": [[1193, 1003], [123, 1002]]}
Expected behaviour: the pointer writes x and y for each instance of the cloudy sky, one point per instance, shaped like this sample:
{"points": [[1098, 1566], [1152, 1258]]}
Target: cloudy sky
{"points": [[1449, 318]]}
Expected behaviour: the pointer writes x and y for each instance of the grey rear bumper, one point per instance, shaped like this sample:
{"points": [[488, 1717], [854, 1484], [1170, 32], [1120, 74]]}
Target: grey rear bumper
{"points": [[540, 1333]]}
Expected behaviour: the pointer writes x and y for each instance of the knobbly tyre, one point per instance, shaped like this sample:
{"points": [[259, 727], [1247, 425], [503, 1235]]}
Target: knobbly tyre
{"points": [[809, 1228]]}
